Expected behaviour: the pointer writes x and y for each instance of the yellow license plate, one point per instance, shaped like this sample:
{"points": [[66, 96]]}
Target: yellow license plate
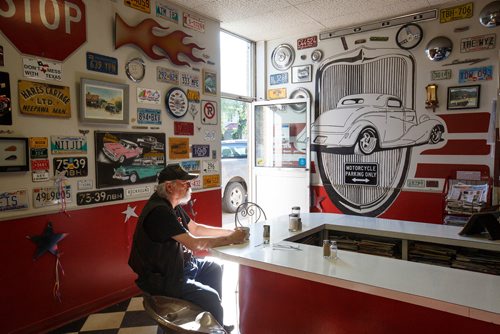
{"points": [[456, 13]]}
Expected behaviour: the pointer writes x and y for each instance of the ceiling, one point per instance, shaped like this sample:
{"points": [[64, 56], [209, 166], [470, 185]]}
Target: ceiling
{"points": [[260, 20]]}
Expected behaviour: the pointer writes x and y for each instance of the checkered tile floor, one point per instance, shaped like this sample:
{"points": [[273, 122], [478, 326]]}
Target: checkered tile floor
{"points": [[127, 317]]}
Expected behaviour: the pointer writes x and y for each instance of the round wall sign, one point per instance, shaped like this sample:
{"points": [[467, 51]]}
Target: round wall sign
{"points": [[282, 57], [176, 102], [135, 69], [408, 36]]}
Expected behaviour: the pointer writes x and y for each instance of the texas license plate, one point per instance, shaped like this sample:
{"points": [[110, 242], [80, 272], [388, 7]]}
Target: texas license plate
{"points": [[51, 196], [74, 167]]}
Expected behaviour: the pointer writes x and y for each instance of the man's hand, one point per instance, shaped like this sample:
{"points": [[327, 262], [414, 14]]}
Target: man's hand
{"points": [[237, 236]]}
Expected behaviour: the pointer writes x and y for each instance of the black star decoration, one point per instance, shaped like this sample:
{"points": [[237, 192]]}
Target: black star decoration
{"points": [[47, 241]]}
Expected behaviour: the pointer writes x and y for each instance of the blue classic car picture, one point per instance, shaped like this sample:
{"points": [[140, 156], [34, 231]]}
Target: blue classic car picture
{"points": [[365, 123], [140, 169]]}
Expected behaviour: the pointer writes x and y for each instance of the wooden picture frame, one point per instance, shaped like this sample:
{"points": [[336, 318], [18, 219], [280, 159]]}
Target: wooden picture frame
{"points": [[14, 154], [104, 102], [463, 97]]}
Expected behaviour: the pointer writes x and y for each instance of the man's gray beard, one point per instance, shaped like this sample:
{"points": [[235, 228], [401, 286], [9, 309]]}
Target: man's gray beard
{"points": [[186, 198]]}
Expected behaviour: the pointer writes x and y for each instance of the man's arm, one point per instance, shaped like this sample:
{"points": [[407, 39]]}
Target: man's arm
{"points": [[196, 243], [201, 230]]}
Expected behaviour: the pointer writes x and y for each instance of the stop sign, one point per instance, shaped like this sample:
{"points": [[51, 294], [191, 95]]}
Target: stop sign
{"points": [[49, 29]]}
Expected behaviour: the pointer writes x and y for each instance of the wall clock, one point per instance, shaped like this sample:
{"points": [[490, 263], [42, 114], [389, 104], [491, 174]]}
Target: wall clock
{"points": [[135, 69], [408, 36], [176, 102]]}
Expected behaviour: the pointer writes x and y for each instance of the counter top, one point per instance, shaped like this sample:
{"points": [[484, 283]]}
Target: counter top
{"points": [[462, 292]]}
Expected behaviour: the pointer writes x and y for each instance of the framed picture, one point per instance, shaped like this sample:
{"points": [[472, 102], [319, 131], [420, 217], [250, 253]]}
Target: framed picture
{"points": [[103, 102], [209, 82], [463, 97], [14, 154], [301, 73]]}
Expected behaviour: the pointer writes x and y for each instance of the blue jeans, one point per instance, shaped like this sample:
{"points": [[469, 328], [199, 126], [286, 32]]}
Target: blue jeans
{"points": [[203, 286]]}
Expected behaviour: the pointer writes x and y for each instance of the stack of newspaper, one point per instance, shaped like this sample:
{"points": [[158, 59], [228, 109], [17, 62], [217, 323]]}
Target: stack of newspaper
{"points": [[345, 243], [431, 253], [466, 198], [378, 247], [477, 260]]}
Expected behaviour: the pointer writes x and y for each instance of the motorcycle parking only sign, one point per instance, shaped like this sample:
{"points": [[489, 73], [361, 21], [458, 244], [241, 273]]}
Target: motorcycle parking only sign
{"points": [[361, 174]]}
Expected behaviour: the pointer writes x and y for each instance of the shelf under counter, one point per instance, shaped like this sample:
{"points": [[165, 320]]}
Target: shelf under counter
{"points": [[465, 293]]}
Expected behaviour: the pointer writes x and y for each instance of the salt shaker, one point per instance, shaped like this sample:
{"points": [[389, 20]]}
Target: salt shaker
{"points": [[326, 248], [333, 250], [267, 234]]}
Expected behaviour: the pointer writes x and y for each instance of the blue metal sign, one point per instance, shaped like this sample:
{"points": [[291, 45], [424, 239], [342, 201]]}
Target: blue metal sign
{"points": [[278, 78], [102, 64], [148, 116]]}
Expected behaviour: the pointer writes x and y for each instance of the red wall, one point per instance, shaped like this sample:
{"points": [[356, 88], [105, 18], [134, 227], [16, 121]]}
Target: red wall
{"points": [[272, 303], [94, 257]]}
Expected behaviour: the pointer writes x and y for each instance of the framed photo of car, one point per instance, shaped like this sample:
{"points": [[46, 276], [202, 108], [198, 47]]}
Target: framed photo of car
{"points": [[301, 73], [126, 158], [209, 82], [463, 97], [103, 102]]}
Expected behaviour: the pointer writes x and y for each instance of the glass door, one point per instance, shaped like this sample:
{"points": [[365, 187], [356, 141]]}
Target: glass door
{"points": [[280, 159]]}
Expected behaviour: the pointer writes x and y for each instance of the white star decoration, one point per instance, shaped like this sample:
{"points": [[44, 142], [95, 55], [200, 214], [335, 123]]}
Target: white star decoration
{"points": [[130, 212]]}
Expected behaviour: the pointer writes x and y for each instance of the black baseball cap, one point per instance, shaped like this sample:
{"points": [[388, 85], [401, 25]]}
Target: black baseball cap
{"points": [[175, 172]]}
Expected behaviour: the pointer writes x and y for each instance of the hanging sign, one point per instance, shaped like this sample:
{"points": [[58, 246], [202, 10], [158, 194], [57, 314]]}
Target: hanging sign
{"points": [[41, 99], [475, 74], [102, 64], [38, 68], [456, 13], [478, 43]]}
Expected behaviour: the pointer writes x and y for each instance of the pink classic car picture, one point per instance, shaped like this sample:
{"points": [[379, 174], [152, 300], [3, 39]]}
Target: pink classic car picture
{"points": [[121, 150]]}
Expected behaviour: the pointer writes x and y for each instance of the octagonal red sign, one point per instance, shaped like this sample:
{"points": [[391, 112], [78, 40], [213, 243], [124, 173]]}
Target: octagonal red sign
{"points": [[49, 29]]}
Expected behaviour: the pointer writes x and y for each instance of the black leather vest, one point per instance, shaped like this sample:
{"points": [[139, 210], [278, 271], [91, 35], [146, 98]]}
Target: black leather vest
{"points": [[159, 265]]}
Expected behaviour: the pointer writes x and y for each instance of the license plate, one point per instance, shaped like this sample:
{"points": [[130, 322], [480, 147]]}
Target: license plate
{"points": [[13, 200], [456, 13], [51, 196], [74, 167]]}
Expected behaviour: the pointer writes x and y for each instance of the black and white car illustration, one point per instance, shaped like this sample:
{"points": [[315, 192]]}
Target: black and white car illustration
{"points": [[365, 123]]}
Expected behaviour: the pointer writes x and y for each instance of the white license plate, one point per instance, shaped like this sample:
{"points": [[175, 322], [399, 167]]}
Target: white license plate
{"points": [[51, 196], [14, 200]]}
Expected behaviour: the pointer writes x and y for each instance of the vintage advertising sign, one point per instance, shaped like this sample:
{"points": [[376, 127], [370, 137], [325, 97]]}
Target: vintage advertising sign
{"points": [[276, 93], [138, 191], [200, 151], [440, 75], [147, 95], [99, 196], [209, 112], [142, 5], [278, 78], [165, 12], [475, 74], [178, 148], [13, 200], [193, 22], [49, 29], [361, 174], [38, 68], [191, 166], [211, 181], [102, 64], [41, 99], [478, 43], [456, 13], [210, 167], [190, 80], [85, 184], [72, 167], [68, 144], [148, 116], [167, 75], [48, 196], [307, 42], [183, 128]]}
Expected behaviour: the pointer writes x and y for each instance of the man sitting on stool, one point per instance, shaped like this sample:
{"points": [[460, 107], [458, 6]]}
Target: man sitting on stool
{"points": [[163, 242]]}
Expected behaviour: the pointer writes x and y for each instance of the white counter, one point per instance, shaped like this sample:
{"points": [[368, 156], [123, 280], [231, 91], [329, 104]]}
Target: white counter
{"points": [[466, 293]]}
